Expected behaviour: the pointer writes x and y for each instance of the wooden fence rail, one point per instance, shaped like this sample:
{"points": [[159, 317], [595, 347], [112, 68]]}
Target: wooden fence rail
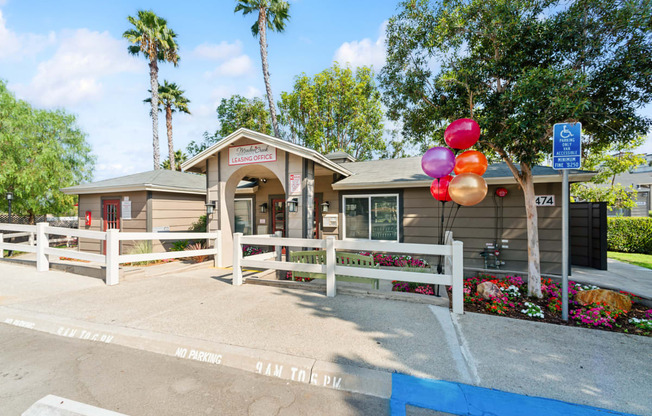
{"points": [[112, 259], [451, 250]]}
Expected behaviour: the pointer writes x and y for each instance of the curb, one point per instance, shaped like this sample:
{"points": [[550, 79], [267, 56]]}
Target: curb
{"points": [[268, 363], [321, 288], [400, 389]]}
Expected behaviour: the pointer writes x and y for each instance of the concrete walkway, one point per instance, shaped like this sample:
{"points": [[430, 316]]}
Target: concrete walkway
{"points": [[347, 343], [618, 276]]}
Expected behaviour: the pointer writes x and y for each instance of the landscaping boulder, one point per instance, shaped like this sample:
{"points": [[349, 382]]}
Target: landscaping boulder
{"points": [[608, 297], [488, 290]]}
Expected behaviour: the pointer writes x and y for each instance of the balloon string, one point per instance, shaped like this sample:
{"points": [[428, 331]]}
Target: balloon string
{"points": [[443, 229], [454, 217]]}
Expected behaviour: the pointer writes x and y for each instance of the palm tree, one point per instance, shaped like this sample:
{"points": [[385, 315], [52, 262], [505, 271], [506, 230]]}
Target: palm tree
{"points": [[272, 15], [179, 157], [155, 40], [172, 99]]}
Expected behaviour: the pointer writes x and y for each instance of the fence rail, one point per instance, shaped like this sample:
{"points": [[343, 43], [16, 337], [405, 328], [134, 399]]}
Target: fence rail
{"points": [[112, 259], [451, 250]]}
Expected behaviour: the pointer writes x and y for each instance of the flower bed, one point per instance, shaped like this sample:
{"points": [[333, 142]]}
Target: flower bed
{"points": [[512, 301]]}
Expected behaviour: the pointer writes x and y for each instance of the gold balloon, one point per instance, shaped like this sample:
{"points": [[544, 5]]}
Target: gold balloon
{"points": [[467, 189]]}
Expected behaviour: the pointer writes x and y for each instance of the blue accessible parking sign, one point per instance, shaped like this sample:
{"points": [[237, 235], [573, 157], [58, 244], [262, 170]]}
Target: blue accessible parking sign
{"points": [[567, 146]]}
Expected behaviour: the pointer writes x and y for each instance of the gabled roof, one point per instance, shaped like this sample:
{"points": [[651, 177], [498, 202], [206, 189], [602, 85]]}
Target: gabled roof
{"points": [[407, 172], [272, 141], [340, 155], [161, 180]]}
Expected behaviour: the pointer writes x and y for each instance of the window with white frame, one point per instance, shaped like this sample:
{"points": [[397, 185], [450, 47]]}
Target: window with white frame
{"points": [[371, 217]]}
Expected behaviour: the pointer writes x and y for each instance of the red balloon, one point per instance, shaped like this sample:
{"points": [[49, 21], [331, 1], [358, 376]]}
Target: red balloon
{"points": [[462, 133], [471, 161], [439, 188]]}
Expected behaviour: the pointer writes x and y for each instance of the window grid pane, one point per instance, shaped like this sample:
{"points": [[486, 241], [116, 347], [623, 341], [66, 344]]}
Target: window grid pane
{"points": [[384, 218], [357, 217]]}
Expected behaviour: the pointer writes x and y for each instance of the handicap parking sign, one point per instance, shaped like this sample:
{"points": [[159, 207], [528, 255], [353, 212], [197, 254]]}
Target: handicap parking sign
{"points": [[567, 146]]}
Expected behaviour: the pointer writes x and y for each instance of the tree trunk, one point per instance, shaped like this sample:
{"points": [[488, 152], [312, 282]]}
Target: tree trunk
{"points": [[153, 80], [168, 124], [534, 261], [263, 57]]}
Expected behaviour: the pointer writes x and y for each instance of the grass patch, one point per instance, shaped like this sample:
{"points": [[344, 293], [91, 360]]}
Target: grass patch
{"points": [[643, 260]]}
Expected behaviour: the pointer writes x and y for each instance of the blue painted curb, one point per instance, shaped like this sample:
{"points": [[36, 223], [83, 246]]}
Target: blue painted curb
{"points": [[467, 400]]}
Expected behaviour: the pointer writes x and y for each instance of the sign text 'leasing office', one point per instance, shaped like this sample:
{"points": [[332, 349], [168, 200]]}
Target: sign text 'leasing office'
{"points": [[251, 153]]}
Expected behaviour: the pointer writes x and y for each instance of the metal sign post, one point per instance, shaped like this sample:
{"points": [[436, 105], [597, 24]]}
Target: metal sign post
{"points": [[566, 154]]}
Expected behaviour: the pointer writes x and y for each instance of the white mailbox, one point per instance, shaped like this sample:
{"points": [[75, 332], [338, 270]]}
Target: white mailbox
{"points": [[330, 220]]}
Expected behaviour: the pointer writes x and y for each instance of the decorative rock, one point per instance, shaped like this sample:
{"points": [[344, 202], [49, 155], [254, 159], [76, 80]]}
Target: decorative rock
{"points": [[608, 297], [488, 290]]}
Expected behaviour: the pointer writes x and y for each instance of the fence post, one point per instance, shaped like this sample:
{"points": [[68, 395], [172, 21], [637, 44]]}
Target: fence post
{"points": [[42, 261], [279, 256], [331, 282], [458, 277], [217, 243], [237, 256], [2, 250], [112, 254]]}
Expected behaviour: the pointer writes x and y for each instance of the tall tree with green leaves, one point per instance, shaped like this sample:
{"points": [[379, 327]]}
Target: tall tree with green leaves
{"points": [[337, 109], [172, 100], [518, 67], [232, 114], [152, 37], [610, 163], [272, 15], [42, 151]]}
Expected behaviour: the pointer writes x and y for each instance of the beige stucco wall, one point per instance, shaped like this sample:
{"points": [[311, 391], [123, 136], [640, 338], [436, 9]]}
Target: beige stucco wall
{"points": [[223, 180], [324, 186]]}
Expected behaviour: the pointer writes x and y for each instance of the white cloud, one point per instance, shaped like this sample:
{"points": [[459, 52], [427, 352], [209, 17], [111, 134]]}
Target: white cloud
{"points": [[238, 66], [16, 46], [363, 52], [218, 52], [226, 91], [73, 75]]}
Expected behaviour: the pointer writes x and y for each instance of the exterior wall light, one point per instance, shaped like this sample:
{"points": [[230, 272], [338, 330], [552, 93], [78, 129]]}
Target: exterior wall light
{"points": [[210, 207], [293, 204], [325, 206], [10, 197], [263, 207]]}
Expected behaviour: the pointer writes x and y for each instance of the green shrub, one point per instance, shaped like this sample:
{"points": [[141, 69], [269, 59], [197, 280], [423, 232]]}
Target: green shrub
{"points": [[179, 245], [630, 234], [200, 225], [141, 247]]}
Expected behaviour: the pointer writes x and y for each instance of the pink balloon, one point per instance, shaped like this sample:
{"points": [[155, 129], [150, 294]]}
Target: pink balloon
{"points": [[438, 162], [462, 133]]}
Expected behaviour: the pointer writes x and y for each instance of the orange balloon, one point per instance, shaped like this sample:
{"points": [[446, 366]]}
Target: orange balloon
{"points": [[467, 189], [471, 161]]}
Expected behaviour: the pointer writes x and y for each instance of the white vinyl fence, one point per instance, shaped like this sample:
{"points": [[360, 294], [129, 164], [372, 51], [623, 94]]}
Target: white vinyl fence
{"points": [[112, 259], [452, 252]]}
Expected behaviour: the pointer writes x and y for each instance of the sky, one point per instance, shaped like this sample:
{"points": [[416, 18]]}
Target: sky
{"points": [[70, 54]]}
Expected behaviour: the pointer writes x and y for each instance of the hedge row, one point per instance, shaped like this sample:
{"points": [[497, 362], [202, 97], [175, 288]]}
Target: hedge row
{"points": [[630, 234]]}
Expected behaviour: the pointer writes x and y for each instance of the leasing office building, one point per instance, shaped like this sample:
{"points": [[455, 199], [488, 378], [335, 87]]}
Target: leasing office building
{"points": [[302, 193]]}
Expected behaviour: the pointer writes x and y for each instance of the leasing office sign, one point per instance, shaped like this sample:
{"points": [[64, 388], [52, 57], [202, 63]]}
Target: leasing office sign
{"points": [[251, 153]]}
